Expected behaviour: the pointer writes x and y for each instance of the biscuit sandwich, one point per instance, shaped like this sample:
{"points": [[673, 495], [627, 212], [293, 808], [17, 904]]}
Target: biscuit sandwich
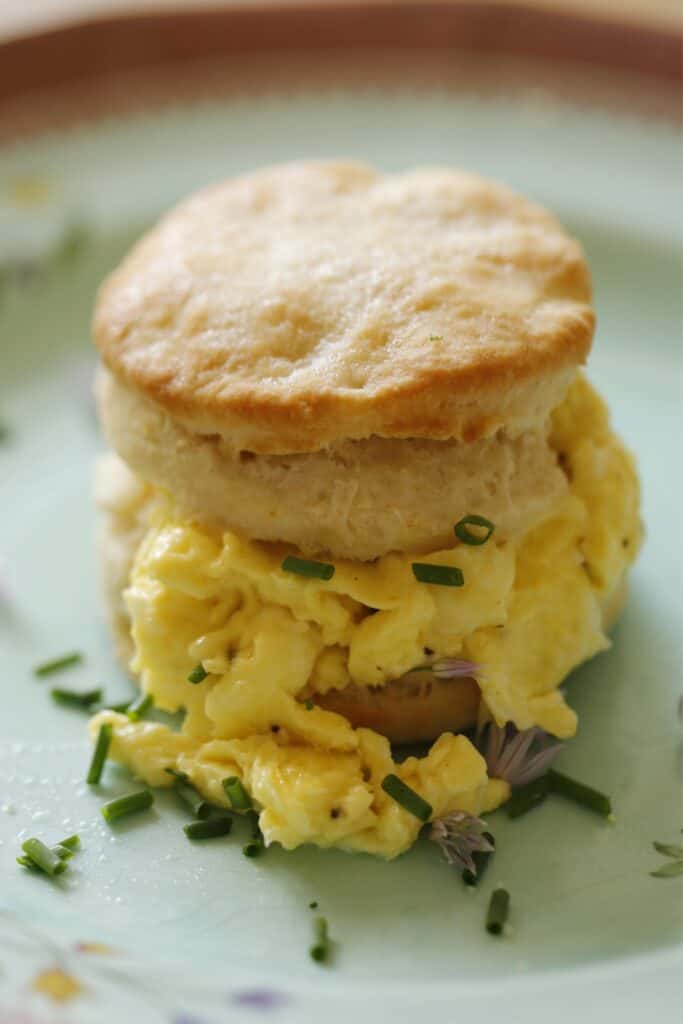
{"points": [[361, 492]]}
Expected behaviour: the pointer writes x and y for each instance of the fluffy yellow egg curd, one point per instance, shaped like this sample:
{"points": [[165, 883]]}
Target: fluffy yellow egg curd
{"points": [[530, 610]]}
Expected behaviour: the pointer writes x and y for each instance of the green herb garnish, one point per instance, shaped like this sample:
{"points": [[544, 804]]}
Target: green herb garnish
{"points": [[467, 536], [139, 707], [64, 850], [408, 799], [119, 708], [210, 828], [237, 795], [72, 242], [497, 914], [308, 704], [256, 845], [443, 575], [527, 797], [99, 754], [186, 792], [73, 699], [562, 785], [481, 860], [71, 842], [320, 950], [675, 867], [671, 870], [43, 857], [306, 567], [198, 674], [131, 803], [57, 664]]}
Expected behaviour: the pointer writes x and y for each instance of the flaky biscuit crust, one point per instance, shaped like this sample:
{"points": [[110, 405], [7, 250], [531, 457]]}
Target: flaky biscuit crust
{"points": [[304, 304]]}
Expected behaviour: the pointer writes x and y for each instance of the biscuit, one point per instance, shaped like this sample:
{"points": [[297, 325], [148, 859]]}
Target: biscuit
{"points": [[303, 305], [354, 499]]}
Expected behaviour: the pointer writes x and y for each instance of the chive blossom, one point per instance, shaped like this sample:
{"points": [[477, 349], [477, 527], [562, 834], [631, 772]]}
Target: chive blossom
{"points": [[408, 799], [46, 668], [320, 950], [43, 857], [237, 795], [210, 828], [586, 796], [73, 699], [467, 536], [139, 707], [308, 568], [481, 860], [99, 755], [499, 908], [442, 575], [131, 803], [198, 674]]}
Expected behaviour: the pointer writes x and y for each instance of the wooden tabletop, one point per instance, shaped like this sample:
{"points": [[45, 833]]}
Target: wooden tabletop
{"points": [[22, 17]]}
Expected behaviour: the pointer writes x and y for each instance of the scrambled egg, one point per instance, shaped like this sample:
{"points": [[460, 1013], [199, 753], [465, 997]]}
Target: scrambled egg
{"points": [[531, 609]]}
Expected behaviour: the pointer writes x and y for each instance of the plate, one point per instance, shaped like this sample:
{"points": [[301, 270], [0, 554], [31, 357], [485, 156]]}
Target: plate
{"points": [[144, 923]]}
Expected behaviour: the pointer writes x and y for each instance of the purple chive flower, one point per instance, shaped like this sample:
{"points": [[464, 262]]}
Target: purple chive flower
{"points": [[260, 998], [454, 668], [460, 835], [517, 757]]}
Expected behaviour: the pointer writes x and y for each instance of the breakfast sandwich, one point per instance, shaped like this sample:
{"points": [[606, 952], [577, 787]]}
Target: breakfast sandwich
{"points": [[361, 493]]}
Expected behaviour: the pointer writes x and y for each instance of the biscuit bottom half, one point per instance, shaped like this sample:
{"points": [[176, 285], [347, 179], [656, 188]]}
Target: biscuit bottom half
{"points": [[299, 671]]}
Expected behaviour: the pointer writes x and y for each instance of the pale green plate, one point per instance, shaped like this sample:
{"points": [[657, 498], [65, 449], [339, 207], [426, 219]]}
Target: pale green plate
{"points": [[200, 933]]}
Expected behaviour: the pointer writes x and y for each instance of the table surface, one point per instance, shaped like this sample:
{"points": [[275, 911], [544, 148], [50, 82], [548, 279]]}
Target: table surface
{"points": [[21, 17]]}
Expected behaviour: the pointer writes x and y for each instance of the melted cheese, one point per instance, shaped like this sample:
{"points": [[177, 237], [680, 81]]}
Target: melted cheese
{"points": [[531, 610]]}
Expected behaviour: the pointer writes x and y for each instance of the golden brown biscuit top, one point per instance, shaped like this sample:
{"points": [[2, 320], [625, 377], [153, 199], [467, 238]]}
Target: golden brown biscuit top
{"points": [[306, 303]]}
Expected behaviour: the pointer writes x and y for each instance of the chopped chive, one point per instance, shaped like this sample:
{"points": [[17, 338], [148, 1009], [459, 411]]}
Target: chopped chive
{"points": [[306, 567], [562, 785], [99, 754], [73, 699], [308, 704], [72, 242], [313, 905], [131, 803], [443, 575], [499, 908], [669, 850], [320, 950], [63, 852], [198, 674], [71, 842], [236, 793], [139, 707], [467, 536], [481, 860], [256, 845], [43, 857], [669, 870], [186, 792], [121, 708], [46, 668], [407, 797], [26, 862], [527, 797], [210, 828]]}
